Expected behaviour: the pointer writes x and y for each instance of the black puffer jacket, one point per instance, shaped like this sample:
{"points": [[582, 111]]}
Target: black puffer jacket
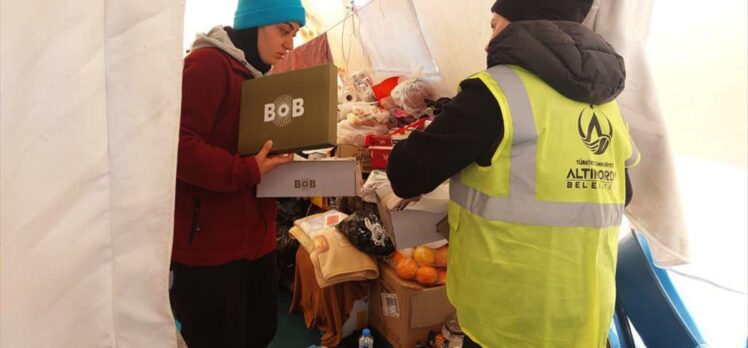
{"points": [[569, 57]]}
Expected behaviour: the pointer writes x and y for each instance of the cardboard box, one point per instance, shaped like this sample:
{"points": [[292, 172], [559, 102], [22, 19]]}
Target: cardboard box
{"points": [[380, 156], [297, 110], [358, 317], [360, 153], [420, 222], [329, 177], [403, 311], [442, 227]]}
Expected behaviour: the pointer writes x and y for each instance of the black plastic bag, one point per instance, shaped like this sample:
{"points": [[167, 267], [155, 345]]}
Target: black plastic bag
{"points": [[367, 233], [289, 210]]}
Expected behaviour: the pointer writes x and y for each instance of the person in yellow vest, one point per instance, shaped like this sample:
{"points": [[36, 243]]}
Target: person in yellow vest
{"points": [[537, 150]]}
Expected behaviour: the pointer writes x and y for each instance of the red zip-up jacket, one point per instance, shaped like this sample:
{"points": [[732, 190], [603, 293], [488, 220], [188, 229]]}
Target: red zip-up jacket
{"points": [[218, 217]]}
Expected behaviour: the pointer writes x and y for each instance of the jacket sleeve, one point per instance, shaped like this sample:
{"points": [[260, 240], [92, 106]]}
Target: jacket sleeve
{"points": [[204, 87], [468, 130], [629, 189]]}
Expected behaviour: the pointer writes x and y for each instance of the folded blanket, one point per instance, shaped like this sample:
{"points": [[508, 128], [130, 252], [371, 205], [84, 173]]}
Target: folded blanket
{"points": [[335, 259]]}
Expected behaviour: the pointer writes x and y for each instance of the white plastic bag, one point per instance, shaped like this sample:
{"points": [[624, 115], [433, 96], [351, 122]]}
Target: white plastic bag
{"points": [[411, 96], [355, 135]]}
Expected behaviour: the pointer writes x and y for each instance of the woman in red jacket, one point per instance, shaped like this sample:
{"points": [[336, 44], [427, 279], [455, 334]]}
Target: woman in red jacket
{"points": [[225, 281]]}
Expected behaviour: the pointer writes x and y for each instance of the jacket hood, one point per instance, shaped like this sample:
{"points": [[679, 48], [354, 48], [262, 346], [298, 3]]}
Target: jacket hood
{"points": [[569, 57], [219, 38]]}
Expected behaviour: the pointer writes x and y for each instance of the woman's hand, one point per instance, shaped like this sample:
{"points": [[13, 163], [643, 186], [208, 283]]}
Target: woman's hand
{"points": [[266, 163]]}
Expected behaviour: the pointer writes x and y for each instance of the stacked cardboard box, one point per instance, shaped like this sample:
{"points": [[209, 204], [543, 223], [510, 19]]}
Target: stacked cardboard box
{"points": [[403, 311], [330, 177], [360, 153], [420, 222]]}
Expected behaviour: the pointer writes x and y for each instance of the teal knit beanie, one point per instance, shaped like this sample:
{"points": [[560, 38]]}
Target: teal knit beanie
{"points": [[256, 13]]}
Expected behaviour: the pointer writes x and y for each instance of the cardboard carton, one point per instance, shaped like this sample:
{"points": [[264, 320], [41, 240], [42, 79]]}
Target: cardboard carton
{"points": [[358, 317], [420, 222], [297, 110], [360, 153], [330, 177], [403, 311]]}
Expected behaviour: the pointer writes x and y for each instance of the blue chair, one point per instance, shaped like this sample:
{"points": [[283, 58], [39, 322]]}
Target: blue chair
{"points": [[650, 301], [619, 335]]}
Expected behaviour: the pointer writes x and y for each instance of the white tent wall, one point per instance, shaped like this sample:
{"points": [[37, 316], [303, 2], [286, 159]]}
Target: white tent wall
{"points": [[89, 105], [699, 65], [393, 41], [202, 15], [343, 33], [456, 32], [347, 50], [698, 59], [455, 44], [656, 211]]}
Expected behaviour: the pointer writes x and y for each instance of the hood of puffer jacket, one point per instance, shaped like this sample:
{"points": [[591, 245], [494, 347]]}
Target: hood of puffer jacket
{"points": [[568, 56], [218, 38]]}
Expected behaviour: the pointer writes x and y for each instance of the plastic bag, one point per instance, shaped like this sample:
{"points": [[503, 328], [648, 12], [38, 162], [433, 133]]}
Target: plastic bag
{"points": [[362, 82], [363, 114], [411, 96], [289, 210], [356, 135], [366, 232]]}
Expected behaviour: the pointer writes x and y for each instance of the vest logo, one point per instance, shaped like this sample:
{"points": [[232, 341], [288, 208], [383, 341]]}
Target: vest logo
{"points": [[283, 110], [598, 135]]}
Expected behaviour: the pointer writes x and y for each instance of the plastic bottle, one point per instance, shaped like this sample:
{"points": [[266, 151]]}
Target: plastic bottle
{"points": [[366, 341], [452, 332]]}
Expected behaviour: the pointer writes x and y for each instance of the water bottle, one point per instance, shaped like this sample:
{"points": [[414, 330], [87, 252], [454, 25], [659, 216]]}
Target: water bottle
{"points": [[366, 341]]}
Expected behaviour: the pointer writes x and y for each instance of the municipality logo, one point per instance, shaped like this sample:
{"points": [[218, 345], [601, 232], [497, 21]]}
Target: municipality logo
{"points": [[597, 136], [283, 110]]}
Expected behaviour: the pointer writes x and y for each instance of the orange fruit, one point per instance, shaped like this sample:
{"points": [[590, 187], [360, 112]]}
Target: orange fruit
{"points": [[406, 268], [442, 277], [424, 256], [396, 256], [426, 275], [440, 257]]}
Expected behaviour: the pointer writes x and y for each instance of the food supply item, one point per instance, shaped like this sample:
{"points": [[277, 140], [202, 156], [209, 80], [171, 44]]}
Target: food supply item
{"points": [[426, 275], [424, 256], [406, 268]]}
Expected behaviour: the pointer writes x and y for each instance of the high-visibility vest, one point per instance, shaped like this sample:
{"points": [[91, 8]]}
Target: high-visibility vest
{"points": [[533, 236]]}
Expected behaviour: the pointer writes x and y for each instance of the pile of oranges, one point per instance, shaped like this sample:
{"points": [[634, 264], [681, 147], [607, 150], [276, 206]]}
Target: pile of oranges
{"points": [[427, 266]]}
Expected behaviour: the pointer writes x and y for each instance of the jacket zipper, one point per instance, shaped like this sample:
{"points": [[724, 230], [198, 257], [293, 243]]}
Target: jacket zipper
{"points": [[195, 221]]}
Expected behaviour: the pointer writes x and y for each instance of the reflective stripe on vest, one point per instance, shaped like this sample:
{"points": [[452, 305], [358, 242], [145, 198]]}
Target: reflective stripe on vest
{"points": [[521, 206]]}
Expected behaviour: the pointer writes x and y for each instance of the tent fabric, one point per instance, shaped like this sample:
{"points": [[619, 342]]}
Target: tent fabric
{"points": [[89, 98], [391, 35], [444, 38], [656, 207], [456, 33]]}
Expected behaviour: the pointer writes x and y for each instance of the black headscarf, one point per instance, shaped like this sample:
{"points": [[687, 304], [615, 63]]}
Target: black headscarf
{"points": [[246, 40]]}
